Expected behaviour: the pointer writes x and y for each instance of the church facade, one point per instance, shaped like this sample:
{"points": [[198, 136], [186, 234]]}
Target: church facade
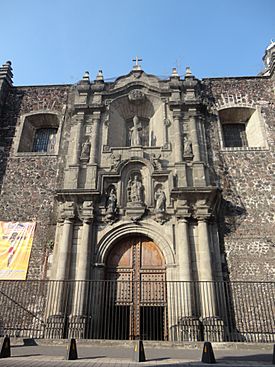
{"points": [[164, 181]]}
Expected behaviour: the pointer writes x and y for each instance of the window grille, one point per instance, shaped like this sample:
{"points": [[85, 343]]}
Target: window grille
{"points": [[44, 140], [234, 135]]}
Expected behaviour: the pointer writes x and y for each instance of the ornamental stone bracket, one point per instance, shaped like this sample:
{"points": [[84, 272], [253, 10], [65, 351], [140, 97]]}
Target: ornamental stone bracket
{"points": [[87, 211], [161, 217], [202, 211], [203, 203], [67, 210], [183, 209], [135, 211]]}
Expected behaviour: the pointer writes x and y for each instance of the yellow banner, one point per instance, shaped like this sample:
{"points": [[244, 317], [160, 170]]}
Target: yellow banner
{"points": [[15, 248]]}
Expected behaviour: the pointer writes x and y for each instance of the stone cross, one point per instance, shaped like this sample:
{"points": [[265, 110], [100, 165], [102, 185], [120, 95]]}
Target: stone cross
{"points": [[136, 66]]}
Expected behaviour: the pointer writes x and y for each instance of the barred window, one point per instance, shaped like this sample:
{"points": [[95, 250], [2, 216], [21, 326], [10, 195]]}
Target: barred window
{"points": [[40, 133], [44, 140], [234, 135], [241, 127]]}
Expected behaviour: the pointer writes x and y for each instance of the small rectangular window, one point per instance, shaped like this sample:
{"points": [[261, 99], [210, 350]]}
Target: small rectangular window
{"points": [[234, 135], [44, 140]]}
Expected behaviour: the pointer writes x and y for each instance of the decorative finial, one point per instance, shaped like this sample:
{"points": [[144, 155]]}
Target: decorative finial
{"points": [[174, 73], [136, 66], [188, 72], [86, 76], [99, 76]]}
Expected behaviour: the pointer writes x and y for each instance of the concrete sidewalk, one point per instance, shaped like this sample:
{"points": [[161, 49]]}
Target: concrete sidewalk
{"points": [[119, 354]]}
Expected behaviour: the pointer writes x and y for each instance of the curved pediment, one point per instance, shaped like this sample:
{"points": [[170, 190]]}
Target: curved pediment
{"points": [[136, 77]]}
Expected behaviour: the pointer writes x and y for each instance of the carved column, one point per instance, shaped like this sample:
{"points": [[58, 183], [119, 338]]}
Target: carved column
{"points": [[166, 124], [194, 135], [177, 136], [79, 118], [94, 138], [91, 171], [58, 291], [212, 324], [188, 326], [78, 319]]}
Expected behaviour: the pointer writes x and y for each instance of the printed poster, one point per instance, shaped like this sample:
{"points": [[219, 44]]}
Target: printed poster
{"points": [[15, 248]]}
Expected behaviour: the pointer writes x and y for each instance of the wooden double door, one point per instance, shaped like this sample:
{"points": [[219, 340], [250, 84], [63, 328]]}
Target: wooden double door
{"points": [[136, 269]]}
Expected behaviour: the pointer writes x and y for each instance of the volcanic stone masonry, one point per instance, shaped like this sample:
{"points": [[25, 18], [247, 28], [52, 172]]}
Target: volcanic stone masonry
{"points": [[188, 163]]}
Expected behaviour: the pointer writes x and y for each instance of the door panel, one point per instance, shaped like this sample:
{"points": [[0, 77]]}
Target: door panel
{"points": [[138, 266]]}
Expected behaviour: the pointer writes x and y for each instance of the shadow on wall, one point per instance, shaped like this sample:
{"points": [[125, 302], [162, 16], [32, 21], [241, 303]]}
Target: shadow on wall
{"points": [[8, 121]]}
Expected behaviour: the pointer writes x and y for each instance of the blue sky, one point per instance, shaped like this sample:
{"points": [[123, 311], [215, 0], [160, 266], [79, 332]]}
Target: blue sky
{"points": [[55, 41]]}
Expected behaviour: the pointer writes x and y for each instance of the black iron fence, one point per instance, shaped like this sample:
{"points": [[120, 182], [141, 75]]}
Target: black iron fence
{"points": [[175, 311]]}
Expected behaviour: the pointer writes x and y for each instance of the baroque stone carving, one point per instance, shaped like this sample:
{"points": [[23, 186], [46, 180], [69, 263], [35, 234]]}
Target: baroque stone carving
{"points": [[160, 198], [160, 206], [111, 206], [135, 191], [87, 210], [66, 210], [116, 159], [135, 133], [155, 160], [188, 150], [136, 95], [85, 151]]}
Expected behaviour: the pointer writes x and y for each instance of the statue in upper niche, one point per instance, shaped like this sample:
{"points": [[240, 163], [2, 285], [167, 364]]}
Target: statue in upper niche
{"points": [[85, 150], [135, 133], [160, 201], [188, 150]]}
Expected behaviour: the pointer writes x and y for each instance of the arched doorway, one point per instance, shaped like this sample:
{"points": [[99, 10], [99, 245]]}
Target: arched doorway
{"points": [[135, 269]]}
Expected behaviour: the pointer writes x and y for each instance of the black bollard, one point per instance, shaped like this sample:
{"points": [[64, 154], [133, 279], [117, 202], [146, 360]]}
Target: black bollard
{"points": [[273, 357], [139, 355], [71, 350], [207, 353], [5, 347]]}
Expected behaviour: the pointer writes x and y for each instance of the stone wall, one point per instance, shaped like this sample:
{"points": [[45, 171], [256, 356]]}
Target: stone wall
{"points": [[245, 175], [29, 181]]}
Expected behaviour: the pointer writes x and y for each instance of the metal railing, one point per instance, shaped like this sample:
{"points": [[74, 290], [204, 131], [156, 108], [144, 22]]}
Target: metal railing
{"points": [[125, 310]]}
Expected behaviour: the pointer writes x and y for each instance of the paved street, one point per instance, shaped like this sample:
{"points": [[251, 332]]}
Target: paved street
{"points": [[120, 355]]}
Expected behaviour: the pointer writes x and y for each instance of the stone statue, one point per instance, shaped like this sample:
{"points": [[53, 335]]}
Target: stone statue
{"points": [[135, 133], [188, 150], [85, 151], [160, 198], [135, 190], [111, 207], [111, 202]]}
